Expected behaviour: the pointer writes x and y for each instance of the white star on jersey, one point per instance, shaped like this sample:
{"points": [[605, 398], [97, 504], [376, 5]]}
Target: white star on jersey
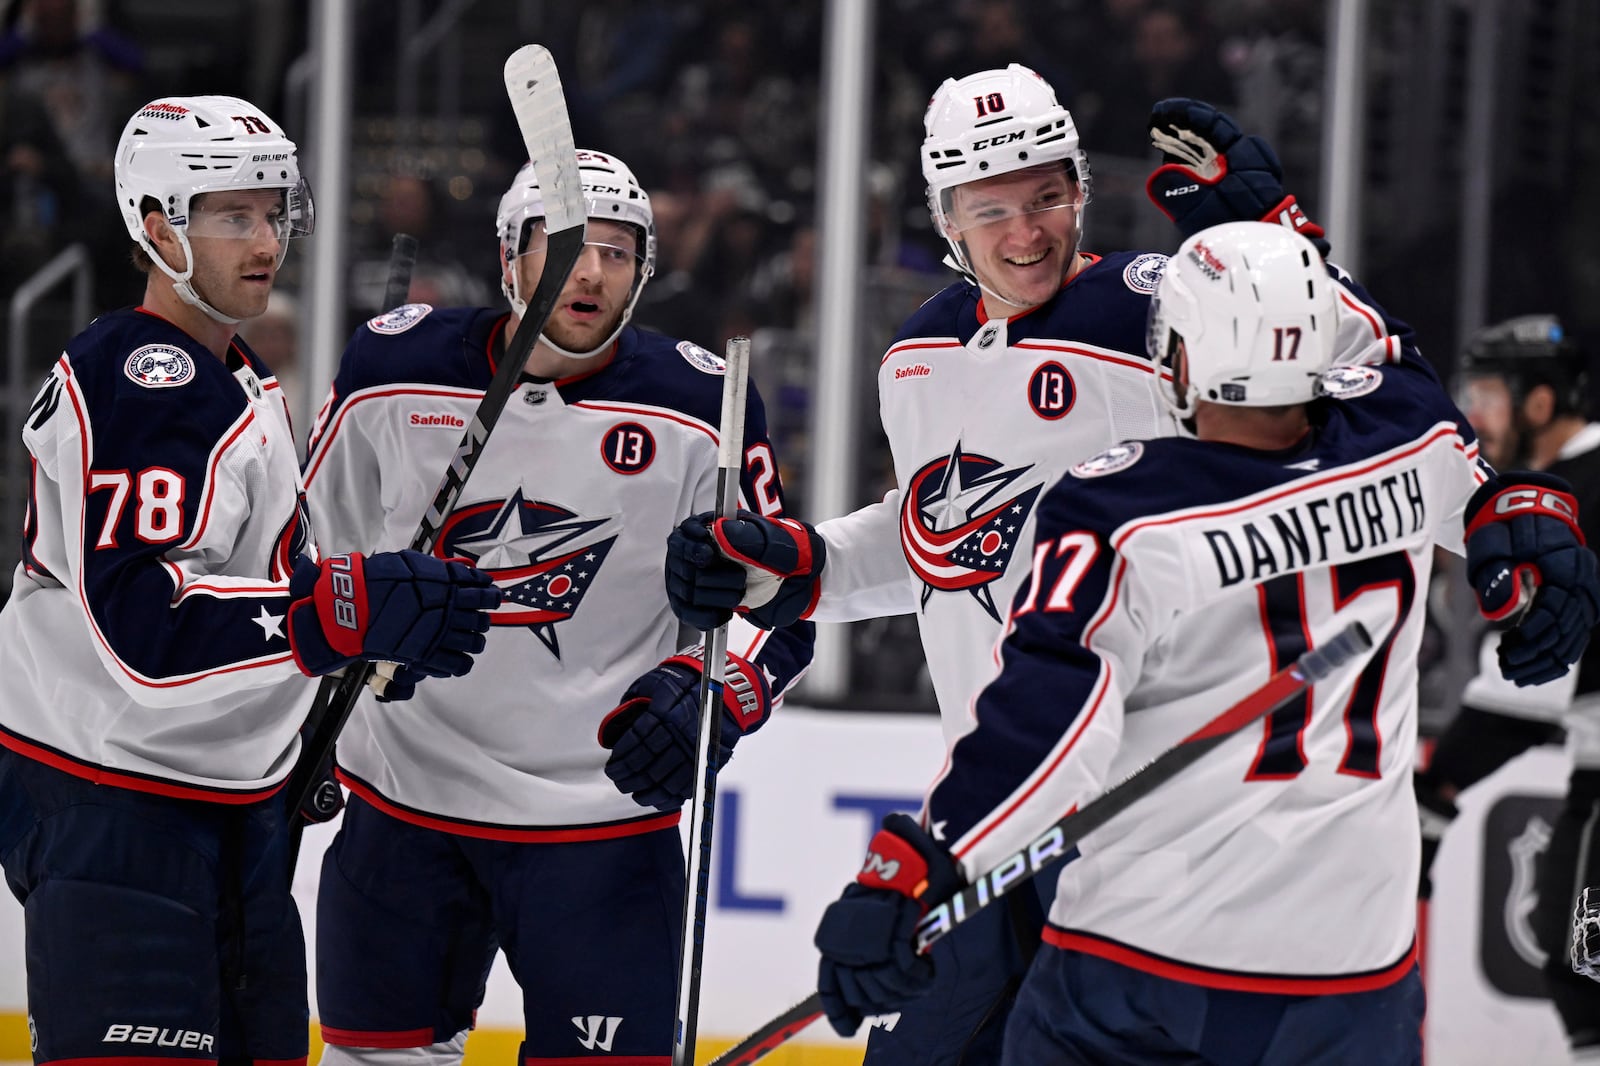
{"points": [[271, 624]]}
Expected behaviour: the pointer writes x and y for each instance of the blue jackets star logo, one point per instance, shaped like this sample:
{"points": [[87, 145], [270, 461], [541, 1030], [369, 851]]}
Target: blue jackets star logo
{"points": [[961, 521], [542, 555]]}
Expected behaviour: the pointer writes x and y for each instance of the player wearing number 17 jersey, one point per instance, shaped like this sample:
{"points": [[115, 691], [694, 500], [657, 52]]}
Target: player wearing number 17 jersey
{"points": [[1258, 909], [989, 393]]}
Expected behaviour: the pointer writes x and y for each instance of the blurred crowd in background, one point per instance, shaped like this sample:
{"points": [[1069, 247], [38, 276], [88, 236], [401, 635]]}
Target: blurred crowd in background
{"points": [[715, 104]]}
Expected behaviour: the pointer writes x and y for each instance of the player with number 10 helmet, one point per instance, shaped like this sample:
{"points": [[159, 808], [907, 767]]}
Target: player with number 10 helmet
{"points": [[995, 123], [176, 150], [611, 194], [1254, 309]]}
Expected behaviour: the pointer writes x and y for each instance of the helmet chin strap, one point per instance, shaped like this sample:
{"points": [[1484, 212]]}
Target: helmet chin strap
{"points": [[182, 284]]}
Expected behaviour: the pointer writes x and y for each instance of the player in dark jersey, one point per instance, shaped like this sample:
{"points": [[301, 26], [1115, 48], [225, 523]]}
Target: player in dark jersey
{"points": [[1171, 577], [169, 607], [491, 814], [1524, 385]]}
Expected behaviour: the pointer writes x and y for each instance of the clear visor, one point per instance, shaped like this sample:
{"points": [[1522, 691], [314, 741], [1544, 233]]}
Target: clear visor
{"points": [[995, 216], [617, 244], [244, 214]]}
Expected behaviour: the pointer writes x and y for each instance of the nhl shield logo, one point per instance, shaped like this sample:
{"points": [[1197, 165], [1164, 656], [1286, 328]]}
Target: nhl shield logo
{"points": [[1144, 273], [1117, 457], [159, 366], [399, 319]]}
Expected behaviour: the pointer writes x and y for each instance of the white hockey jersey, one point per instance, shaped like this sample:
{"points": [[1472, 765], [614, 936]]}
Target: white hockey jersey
{"points": [[1170, 579], [144, 643], [569, 509], [982, 415]]}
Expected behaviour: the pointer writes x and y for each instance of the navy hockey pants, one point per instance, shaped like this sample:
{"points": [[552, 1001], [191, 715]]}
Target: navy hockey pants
{"points": [[409, 919], [156, 928], [1081, 1010]]}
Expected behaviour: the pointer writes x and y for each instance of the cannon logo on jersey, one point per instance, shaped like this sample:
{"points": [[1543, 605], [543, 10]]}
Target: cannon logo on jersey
{"points": [[960, 524], [700, 359], [1144, 273], [543, 556], [399, 319], [159, 366]]}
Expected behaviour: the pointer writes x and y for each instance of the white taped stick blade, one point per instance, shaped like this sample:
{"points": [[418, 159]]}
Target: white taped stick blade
{"points": [[730, 451], [541, 109]]}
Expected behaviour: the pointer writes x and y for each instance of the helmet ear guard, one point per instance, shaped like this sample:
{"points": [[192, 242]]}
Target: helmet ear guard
{"points": [[611, 193], [1254, 309]]}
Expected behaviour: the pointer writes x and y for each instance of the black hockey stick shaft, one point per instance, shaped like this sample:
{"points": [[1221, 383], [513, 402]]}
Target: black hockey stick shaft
{"points": [[702, 806], [402, 260], [535, 91], [1051, 845]]}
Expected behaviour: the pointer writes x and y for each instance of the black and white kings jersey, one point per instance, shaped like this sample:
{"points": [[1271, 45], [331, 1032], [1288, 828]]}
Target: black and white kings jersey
{"points": [[144, 643], [569, 509]]}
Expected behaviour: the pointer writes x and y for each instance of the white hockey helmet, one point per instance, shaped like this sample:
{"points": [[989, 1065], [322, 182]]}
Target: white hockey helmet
{"points": [[989, 123], [179, 147], [1256, 311], [610, 192]]}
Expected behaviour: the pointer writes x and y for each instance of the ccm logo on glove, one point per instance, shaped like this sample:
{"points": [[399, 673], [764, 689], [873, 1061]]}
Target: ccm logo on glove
{"points": [[1543, 501]]}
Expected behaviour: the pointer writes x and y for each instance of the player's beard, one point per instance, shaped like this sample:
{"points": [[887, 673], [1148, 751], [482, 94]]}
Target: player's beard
{"points": [[582, 340]]}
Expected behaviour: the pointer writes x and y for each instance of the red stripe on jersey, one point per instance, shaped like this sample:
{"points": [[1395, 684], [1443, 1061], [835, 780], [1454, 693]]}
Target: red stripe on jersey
{"points": [[1361, 309], [916, 346], [331, 431], [375, 1038], [609, 831], [1230, 980], [1089, 353], [647, 412], [1343, 474], [132, 782], [211, 478]]}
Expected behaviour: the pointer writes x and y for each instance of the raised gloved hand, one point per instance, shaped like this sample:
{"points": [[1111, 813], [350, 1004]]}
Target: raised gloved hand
{"points": [[404, 607], [869, 962], [1522, 537], [652, 732], [1435, 813], [1212, 173], [770, 570]]}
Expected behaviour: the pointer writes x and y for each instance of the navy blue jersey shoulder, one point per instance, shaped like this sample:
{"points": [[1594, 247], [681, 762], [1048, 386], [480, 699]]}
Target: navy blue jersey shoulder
{"points": [[151, 390], [1105, 305], [449, 346], [1388, 408], [660, 371]]}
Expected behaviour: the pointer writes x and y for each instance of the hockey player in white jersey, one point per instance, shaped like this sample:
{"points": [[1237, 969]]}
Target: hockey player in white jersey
{"points": [[168, 608], [1170, 578], [988, 394], [490, 814]]}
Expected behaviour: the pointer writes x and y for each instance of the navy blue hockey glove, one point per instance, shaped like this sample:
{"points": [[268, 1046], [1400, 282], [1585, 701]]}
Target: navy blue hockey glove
{"points": [[770, 570], [1523, 539], [1212, 173], [869, 962], [404, 607], [652, 732]]}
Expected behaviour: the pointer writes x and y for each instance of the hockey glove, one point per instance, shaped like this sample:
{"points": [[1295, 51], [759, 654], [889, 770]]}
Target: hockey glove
{"points": [[1523, 541], [869, 962], [1212, 173], [770, 570], [652, 733], [405, 607]]}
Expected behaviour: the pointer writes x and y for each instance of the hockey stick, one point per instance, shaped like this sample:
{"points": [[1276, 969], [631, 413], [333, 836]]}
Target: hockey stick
{"points": [[730, 461], [1051, 845], [402, 258], [541, 109]]}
